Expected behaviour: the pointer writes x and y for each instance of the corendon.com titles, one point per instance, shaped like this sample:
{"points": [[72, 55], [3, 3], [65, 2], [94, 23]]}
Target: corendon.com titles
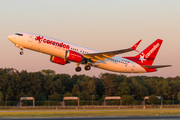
{"points": [[41, 39]]}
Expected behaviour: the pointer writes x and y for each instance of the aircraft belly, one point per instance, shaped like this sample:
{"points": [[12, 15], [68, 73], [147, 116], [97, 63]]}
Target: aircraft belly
{"points": [[118, 67]]}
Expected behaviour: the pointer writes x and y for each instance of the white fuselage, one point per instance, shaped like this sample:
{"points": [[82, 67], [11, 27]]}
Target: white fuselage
{"points": [[49, 46]]}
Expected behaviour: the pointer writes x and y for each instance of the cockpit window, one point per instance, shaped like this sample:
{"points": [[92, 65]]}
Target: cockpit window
{"points": [[19, 34]]}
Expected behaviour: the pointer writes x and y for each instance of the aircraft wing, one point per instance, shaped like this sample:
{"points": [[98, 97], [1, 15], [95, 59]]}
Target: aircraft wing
{"points": [[103, 55]]}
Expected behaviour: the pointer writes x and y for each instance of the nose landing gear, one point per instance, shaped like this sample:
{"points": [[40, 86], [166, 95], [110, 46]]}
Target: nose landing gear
{"points": [[21, 53]]}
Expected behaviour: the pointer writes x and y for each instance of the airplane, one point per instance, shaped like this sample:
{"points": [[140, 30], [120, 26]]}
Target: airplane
{"points": [[62, 53]]}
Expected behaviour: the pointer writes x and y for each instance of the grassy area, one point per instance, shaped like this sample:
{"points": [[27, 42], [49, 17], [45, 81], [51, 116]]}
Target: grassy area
{"points": [[88, 113]]}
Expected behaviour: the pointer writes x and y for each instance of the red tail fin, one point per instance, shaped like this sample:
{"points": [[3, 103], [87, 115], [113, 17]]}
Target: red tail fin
{"points": [[147, 56]]}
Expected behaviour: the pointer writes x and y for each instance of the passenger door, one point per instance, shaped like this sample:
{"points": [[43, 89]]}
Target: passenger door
{"points": [[30, 38]]}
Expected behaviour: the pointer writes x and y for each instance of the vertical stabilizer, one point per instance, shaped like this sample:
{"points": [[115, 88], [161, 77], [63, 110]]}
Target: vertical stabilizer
{"points": [[147, 56]]}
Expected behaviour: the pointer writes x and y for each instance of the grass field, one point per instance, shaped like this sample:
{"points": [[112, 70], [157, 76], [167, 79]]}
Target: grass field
{"points": [[87, 113]]}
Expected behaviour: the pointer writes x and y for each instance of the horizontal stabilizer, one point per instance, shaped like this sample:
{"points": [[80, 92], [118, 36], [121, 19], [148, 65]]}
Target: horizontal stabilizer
{"points": [[156, 66]]}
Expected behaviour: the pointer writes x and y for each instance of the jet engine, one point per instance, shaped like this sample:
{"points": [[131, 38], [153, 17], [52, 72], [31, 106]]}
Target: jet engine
{"points": [[58, 60], [73, 56]]}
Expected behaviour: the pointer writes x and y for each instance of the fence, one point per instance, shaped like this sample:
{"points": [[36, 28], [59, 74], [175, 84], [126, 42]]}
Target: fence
{"points": [[82, 103], [91, 107]]}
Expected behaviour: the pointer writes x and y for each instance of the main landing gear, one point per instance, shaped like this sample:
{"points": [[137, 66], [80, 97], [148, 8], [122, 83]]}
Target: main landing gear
{"points": [[21, 53], [78, 69], [87, 67]]}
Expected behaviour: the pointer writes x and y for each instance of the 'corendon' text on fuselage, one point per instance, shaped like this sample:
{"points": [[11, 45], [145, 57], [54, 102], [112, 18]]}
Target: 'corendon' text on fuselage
{"points": [[42, 39]]}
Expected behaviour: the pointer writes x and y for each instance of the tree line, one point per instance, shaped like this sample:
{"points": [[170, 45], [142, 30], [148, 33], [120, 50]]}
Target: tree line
{"points": [[46, 84]]}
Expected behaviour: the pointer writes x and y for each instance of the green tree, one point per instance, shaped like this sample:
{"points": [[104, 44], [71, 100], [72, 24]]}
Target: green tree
{"points": [[178, 96], [109, 82], [127, 99], [67, 94], [141, 91], [99, 87], [123, 89], [91, 87], [1, 97], [56, 96], [58, 87], [66, 81], [40, 84], [152, 99], [84, 95], [75, 89], [48, 72], [42, 96]]}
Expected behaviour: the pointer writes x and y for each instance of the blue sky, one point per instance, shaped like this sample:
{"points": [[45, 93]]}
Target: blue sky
{"points": [[98, 24]]}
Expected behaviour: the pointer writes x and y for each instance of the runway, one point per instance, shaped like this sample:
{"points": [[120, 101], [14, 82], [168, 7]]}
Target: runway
{"points": [[102, 118]]}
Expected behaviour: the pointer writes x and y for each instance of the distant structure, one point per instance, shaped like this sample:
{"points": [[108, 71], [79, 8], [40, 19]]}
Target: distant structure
{"points": [[112, 98], [70, 98], [27, 98], [147, 97]]}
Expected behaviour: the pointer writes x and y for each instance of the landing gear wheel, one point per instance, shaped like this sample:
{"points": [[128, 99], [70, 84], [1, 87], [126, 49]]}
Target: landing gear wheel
{"points": [[21, 53], [78, 69], [87, 67]]}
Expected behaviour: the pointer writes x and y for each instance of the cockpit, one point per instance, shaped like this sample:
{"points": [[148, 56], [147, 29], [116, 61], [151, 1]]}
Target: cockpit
{"points": [[19, 34]]}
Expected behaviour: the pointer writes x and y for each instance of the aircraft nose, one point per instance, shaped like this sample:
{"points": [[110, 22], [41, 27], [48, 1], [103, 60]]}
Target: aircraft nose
{"points": [[10, 37]]}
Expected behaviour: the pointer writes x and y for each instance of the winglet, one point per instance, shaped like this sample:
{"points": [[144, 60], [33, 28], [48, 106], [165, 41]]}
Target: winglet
{"points": [[136, 45]]}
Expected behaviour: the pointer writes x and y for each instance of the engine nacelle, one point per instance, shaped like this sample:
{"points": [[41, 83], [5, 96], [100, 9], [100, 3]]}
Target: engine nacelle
{"points": [[73, 56], [58, 60]]}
